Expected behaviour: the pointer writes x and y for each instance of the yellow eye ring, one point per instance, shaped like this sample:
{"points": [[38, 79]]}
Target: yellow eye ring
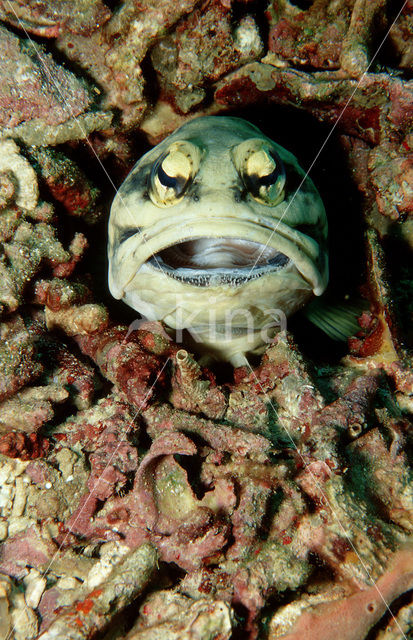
{"points": [[173, 172], [261, 170]]}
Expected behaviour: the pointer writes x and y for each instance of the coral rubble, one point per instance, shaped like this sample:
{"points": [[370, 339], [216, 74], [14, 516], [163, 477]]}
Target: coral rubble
{"points": [[142, 494]]}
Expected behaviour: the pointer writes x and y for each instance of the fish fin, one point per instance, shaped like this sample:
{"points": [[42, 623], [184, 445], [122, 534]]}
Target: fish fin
{"points": [[337, 320]]}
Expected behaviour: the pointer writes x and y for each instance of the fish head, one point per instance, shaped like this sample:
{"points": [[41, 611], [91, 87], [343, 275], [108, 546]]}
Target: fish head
{"points": [[217, 218]]}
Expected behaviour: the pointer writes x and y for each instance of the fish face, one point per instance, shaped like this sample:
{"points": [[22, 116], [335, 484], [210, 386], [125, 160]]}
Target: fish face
{"points": [[217, 217]]}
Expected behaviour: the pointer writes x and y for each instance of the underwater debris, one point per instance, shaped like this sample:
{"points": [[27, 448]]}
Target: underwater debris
{"points": [[78, 320], [42, 102], [67, 184], [202, 48], [367, 114], [50, 20], [28, 246], [22, 180], [19, 365], [400, 37], [128, 578], [189, 391], [171, 616], [125, 362], [30, 408], [112, 54], [28, 91], [367, 25], [391, 171], [356, 613], [313, 37]]}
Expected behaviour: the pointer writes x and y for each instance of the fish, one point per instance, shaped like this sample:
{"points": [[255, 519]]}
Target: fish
{"points": [[218, 233]]}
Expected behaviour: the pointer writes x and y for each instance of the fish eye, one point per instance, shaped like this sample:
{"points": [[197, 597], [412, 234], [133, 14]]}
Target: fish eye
{"points": [[172, 174], [261, 170], [169, 182]]}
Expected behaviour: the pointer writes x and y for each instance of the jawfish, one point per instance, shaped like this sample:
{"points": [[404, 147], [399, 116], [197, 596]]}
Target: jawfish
{"points": [[215, 231]]}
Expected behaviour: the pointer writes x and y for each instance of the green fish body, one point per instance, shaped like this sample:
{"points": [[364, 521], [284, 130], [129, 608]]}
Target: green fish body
{"points": [[216, 231]]}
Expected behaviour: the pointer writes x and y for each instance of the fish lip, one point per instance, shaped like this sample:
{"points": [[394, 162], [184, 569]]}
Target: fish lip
{"points": [[304, 252], [230, 276]]}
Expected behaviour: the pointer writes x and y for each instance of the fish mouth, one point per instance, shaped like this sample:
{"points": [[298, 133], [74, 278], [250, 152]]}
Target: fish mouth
{"points": [[220, 249], [213, 261]]}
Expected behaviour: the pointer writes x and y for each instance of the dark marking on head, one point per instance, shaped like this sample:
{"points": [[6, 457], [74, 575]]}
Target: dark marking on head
{"points": [[312, 231], [293, 181], [237, 190], [136, 182], [243, 194], [128, 232], [193, 191]]}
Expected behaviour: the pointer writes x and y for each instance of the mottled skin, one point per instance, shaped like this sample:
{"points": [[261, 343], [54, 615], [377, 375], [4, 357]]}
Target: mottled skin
{"points": [[219, 182]]}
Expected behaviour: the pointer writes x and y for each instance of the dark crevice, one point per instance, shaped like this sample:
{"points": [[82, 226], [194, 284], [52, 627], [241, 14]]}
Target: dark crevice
{"points": [[152, 88], [399, 264], [302, 4], [112, 4], [256, 9], [193, 467], [241, 617], [145, 442], [273, 505], [393, 8], [166, 577], [21, 32], [392, 611], [37, 47], [272, 604], [389, 58], [127, 487]]}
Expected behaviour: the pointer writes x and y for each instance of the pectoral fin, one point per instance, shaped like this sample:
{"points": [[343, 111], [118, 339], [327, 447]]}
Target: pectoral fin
{"points": [[337, 320]]}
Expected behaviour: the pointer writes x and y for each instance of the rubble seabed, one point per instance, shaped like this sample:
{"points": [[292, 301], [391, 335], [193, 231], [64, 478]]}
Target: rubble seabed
{"points": [[262, 508]]}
